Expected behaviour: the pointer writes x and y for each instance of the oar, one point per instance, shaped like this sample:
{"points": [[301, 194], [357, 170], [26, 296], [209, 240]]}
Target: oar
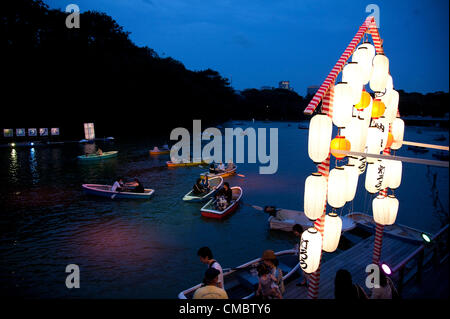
{"points": [[255, 207], [240, 175]]}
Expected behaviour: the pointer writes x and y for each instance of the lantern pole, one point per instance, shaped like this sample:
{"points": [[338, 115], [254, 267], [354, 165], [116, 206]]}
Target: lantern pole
{"points": [[324, 169]]}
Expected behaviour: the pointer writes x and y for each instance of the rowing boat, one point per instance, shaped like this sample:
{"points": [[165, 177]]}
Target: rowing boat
{"points": [[396, 230], [285, 219], [214, 184], [94, 157], [159, 151], [209, 209], [105, 191], [185, 163], [241, 282], [223, 174]]}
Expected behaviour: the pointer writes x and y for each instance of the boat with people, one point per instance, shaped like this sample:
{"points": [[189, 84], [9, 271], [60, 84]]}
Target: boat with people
{"points": [[186, 163], [210, 209], [159, 151], [95, 157], [241, 282], [229, 171], [106, 191], [399, 231], [285, 219], [214, 185]]}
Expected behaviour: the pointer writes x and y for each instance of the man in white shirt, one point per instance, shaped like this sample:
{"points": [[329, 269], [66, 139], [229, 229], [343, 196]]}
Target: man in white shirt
{"points": [[221, 167], [206, 257], [118, 185]]}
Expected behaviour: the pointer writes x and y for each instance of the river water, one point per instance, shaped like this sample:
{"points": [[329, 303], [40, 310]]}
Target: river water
{"points": [[147, 249]]}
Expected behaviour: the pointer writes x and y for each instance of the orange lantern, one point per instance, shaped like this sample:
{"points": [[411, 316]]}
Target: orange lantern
{"points": [[339, 143], [378, 108], [364, 102], [389, 140]]}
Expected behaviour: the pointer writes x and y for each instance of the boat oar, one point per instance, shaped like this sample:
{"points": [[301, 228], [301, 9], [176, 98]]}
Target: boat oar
{"points": [[240, 175], [255, 207]]}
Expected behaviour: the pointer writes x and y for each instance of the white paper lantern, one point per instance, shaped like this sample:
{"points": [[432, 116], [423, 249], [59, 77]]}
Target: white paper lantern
{"points": [[356, 134], [342, 104], [379, 78], [319, 137], [373, 142], [366, 114], [360, 163], [385, 209], [389, 84], [337, 186], [374, 176], [363, 55], [392, 108], [310, 250], [383, 125], [393, 174], [370, 54], [352, 74], [352, 181], [398, 130], [315, 195], [332, 230]]}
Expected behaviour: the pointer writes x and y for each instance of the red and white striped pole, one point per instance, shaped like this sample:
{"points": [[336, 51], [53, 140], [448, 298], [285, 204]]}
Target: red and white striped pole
{"points": [[324, 169]]}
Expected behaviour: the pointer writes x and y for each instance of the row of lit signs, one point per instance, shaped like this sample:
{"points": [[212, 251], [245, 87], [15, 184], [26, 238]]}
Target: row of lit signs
{"points": [[9, 132]]}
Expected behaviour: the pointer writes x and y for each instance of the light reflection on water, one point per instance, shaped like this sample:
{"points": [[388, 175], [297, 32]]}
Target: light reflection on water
{"points": [[147, 249]]}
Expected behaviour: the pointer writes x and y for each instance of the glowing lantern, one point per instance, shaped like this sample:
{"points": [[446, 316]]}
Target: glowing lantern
{"points": [[352, 181], [332, 230], [363, 55], [383, 125], [337, 187], [392, 108], [315, 195], [364, 101], [385, 209], [339, 143], [366, 113], [342, 104], [393, 174], [360, 163], [378, 108], [373, 141], [319, 137], [380, 73], [389, 140], [351, 73], [398, 130], [356, 133], [310, 250], [375, 176]]}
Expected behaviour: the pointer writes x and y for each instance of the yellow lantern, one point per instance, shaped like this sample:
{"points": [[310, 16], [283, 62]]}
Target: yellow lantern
{"points": [[315, 195], [332, 230], [390, 139], [342, 104], [339, 143], [398, 130], [385, 209], [364, 101], [351, 73], [337, 187], [380, 73], [319, 137], [310, 250], [352, 181], [374, 176], [378, 108]]}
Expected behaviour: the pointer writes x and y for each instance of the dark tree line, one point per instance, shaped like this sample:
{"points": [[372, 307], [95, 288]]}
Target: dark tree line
{"points": [[63, 77]]}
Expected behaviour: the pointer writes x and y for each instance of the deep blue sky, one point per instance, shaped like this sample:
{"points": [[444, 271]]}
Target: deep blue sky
{"points": [[261, 42]]}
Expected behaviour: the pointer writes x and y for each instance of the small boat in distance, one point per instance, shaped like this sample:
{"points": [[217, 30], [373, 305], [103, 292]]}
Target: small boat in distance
{"points": [[185, 163], [209, 210], [159, 151], [241, 282], [223, 174], [105, 191], [214, 183], [95, 157]]}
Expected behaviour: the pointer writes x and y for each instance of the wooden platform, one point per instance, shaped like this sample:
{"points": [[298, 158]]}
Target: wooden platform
{"points": [[355, 261]]}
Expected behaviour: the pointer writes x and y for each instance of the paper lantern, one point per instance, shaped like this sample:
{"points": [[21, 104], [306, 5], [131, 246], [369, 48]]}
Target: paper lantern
{"points": [[332, 230], [385, 209], [342, 104], [319, 137], [366, 113], [383, 125], [356, 134], [360, 163], [364, 101], [351, 73], [380, 73], [352, 181], [374, 176], [389, 140], [315, 195], [389, 84], [339, 143], [392, 108], [364, 55], [393, 174], [398, 130], [378, 108], [310, 250], [337, 187], [373, 142]]}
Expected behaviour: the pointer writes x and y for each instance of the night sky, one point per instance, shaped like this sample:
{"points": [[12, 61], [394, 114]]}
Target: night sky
{"points": [[261, 42]]}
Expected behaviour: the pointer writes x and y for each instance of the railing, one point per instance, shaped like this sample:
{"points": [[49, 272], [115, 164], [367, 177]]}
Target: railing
{"points": [[437, 241]]}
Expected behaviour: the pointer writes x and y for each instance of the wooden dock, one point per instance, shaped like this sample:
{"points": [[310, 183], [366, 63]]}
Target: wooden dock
{"points": [[355, 260]]}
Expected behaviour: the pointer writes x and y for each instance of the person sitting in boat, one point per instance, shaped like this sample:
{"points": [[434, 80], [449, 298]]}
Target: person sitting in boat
{"points": [[221, 167], [212, 168], [198, 187], [267, 286], [230, 166], [210, 289], [205, 182], [99, 151], [270, 260], [136, 186], [118, 185], [224, 196]]}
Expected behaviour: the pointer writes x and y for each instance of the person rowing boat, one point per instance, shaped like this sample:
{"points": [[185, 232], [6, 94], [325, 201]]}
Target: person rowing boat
{"points": [[136, 186], [224, 197]]}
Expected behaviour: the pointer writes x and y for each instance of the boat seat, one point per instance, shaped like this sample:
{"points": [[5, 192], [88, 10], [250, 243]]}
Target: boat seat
{"points": [[290, 221], [248, 280]]}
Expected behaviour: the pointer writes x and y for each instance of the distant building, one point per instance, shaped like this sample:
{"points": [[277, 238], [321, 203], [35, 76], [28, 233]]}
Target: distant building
{"points": [[284, 85], [266, 87], [311, 90]]}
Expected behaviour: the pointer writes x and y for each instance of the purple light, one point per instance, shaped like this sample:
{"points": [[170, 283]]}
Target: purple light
{"points": [[386, 269]]}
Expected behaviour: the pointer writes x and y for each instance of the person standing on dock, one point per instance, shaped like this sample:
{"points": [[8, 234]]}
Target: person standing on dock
{"points": [[206, 257], [344, 288], [270, 260], [209, 290], [298, 231]]}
